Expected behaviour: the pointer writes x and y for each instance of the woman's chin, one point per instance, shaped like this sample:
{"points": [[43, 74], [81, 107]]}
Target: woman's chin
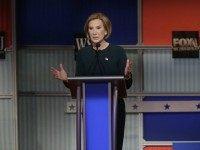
{"points": [[95, 41]]}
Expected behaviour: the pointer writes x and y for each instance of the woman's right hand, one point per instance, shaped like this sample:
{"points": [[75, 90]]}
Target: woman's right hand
{"points": [[59, 73]]}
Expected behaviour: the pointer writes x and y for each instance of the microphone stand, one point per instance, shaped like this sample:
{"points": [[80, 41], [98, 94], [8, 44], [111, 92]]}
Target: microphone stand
{"points": [[97, 62], [97, 57]]}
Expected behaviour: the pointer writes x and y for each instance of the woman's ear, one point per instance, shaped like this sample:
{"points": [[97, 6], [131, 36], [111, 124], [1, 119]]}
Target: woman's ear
{"points": [[88, 37]]}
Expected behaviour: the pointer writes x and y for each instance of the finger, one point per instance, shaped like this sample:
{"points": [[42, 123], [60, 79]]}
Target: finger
{"points": [[61, 66], [127, 62], [131, 62], [56, 76], [54, 70], [130, 66]]}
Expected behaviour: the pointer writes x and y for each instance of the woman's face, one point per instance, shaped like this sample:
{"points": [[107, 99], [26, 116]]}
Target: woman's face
{"points": [[96, 31]]}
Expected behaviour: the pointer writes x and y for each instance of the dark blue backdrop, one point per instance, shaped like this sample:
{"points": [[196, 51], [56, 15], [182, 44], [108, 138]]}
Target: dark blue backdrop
{"points": [[53, 22]]}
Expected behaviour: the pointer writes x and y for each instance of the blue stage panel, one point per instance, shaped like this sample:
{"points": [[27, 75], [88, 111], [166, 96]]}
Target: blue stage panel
{"points": [[186, 146], [171, 126]]}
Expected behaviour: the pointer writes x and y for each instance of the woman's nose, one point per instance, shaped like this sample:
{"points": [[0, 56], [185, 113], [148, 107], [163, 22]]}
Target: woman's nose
{"points": [[94, 32]]}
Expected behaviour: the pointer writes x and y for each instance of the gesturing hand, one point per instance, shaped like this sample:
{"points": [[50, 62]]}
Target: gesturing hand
{"points": [[59, 73], [128, 69]]}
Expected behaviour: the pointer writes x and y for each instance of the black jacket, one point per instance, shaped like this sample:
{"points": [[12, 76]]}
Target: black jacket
{"points": [[108, 62]]}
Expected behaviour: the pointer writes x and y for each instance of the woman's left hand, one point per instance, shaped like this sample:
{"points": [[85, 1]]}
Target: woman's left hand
{"points": [[128, 69]]}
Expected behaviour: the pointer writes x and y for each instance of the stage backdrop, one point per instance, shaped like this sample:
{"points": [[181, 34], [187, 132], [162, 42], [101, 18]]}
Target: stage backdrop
{"points": [[50, 22]]}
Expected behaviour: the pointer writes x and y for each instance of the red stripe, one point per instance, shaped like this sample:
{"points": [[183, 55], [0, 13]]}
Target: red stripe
{"points": [[158, 148], [6, 20]]}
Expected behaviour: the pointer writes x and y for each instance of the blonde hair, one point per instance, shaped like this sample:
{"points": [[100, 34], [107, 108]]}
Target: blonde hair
{"points": [[106, 23]]}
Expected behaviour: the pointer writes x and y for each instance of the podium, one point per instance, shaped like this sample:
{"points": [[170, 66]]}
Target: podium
{"points": [[96, 107]]}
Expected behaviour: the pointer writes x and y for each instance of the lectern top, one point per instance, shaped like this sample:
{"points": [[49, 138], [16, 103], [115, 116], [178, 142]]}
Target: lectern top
{"points": [[96, 78], [118, 81]]}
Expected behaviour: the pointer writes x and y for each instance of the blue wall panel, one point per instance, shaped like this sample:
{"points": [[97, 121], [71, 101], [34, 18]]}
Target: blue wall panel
{"points": [[171, 126], [186, 146], [52, 22]]}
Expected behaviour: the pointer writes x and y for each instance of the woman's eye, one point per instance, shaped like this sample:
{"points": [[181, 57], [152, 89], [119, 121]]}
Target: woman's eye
{"points": [[99, 27]]}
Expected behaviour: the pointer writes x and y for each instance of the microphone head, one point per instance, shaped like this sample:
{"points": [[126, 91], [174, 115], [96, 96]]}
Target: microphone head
{"points": [[98, 45]]}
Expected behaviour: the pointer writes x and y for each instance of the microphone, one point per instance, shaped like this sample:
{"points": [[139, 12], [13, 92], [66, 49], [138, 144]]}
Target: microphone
{"points": [[97, 45], [99, 64], [94, 64]]}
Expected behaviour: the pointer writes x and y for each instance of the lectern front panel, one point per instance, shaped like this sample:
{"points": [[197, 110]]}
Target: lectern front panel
{"points": [[97, 116]]}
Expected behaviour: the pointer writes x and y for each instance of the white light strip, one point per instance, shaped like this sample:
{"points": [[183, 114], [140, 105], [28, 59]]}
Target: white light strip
{"points": [[157, 143], [151, 106], [162, 106], [6, 96]]}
